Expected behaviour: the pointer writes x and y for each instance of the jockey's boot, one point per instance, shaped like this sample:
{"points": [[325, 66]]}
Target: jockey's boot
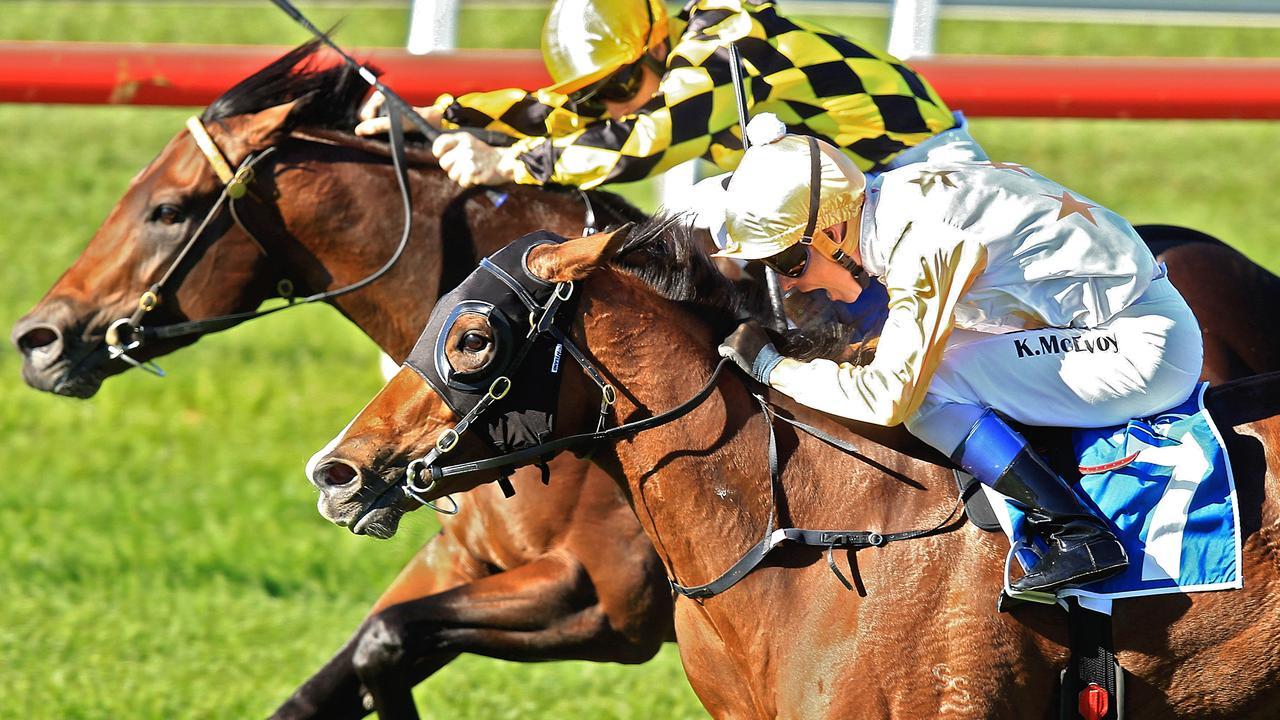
{"points": [[1082, 549]]}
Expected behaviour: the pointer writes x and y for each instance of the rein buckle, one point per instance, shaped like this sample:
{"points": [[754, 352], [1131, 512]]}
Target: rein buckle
{"points": [[239, 184], [148, 301]]}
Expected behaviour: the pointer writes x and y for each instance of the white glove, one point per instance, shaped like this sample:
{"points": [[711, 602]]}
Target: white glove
{"points": [[470, 162], [372, 123]]}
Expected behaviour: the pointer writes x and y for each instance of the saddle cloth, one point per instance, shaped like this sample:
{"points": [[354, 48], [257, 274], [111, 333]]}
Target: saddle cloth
{"points": [[1165, 485]]}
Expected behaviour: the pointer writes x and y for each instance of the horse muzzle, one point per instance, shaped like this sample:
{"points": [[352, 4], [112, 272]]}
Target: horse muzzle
{"points": [[48, 359], [352, 499]]}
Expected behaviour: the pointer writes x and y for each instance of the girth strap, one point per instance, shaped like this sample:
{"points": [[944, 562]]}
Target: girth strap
{"points": [[1093, 681]]}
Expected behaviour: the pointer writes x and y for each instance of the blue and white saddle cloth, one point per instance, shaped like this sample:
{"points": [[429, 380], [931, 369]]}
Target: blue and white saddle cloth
{"points": [[1165, 485]]}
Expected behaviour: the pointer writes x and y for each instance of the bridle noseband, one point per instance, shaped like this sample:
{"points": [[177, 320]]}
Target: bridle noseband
{"points": [[128, 334]]}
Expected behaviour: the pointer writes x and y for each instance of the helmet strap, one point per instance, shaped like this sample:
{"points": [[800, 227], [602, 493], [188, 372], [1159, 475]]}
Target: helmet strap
{"points": [[820, 241]]}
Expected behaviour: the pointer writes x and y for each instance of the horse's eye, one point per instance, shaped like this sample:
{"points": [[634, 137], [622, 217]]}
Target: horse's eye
{"points": [[167, 214], [474, 341]]}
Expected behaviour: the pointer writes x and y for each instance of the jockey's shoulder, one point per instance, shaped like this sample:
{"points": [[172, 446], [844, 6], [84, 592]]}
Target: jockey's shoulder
{"points": [[967, 176], [709, 18]]}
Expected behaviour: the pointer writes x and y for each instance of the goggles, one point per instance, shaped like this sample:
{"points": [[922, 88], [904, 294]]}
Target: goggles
{"points": [[791, 262], [618, 87]]}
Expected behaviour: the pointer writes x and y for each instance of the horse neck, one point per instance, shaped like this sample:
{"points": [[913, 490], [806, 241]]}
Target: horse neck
{"points": [[341, 209], [700, 485]]}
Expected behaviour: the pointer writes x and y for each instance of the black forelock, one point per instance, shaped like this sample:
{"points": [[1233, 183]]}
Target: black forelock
{"points": [[665, 253], [330, 93]]}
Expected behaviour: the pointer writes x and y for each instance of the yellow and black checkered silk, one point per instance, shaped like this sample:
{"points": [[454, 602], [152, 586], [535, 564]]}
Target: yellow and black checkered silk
{"points": [[819, 83]]}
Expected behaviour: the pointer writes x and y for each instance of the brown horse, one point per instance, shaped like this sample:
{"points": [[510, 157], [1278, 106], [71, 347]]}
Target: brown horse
{"points": [[527, 580], [524, 581], [921, 637]]}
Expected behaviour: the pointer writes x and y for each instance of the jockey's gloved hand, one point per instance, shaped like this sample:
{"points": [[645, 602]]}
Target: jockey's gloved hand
{"points": [[750, 348], [470, 161], [373, 122]]}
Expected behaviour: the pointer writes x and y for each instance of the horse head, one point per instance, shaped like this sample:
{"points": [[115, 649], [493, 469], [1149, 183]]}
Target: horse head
{"points": [[173, 248], [492, 372]]}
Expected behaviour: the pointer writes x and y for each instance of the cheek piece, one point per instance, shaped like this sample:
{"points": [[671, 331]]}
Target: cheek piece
{"points": [[820, 241]]}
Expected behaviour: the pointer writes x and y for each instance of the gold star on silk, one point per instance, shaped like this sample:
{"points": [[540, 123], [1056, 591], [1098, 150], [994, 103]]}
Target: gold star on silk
{"points": [[1015, 167], [1073, 206], [929, 178]]}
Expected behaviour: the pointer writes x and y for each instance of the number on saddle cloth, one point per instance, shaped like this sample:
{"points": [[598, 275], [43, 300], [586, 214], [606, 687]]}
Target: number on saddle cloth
{"points": [[1165, 488]]}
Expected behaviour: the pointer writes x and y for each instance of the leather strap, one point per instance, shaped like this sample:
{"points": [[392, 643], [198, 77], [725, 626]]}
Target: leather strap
{"points": [[829, 539], [815, 191], [533, 455], [224, 322], [217, 160]]}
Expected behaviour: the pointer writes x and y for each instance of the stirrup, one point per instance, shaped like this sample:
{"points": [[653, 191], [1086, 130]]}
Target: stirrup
{"points": [[1035, 596]]}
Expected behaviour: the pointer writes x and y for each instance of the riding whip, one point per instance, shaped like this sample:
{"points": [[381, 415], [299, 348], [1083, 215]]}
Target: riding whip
{"points": [[740, 94], [394, 102]]}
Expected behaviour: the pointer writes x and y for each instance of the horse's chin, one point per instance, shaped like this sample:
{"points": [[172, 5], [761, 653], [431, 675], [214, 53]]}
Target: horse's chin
{"points": [[379, 519], [381, 523], [82, 385]]}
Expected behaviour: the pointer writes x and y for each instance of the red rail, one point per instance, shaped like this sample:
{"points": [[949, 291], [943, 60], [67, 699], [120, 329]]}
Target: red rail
{"points": [[92, 73]]}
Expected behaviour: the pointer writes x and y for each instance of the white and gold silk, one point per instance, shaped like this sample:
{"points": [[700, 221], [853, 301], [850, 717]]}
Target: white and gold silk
{"points": [[993, 248]]}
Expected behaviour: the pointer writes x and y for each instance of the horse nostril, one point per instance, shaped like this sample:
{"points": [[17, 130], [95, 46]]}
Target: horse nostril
{"points": [[336, 473], [39, 337]]}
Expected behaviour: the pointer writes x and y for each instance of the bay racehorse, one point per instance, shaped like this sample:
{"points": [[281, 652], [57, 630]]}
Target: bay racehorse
{"points": [[519, 581], [528, 580], [918, 638]]}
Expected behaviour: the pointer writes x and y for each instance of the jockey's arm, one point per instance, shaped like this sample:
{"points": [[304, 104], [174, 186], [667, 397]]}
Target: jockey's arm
{"points": [[928, 273], [675, 126], [514, 112]]}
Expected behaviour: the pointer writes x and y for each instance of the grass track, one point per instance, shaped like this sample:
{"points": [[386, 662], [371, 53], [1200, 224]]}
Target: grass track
{"points": [[163, 555]]}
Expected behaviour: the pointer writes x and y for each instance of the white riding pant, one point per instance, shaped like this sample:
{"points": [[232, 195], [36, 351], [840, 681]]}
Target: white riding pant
{"points": [[1144, 360]]}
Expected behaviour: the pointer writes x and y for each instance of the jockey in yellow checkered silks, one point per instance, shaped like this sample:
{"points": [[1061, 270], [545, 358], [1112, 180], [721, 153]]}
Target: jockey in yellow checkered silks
{"points": [[636, 93]]}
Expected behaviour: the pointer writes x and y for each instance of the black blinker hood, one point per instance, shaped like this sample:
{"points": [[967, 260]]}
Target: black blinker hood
{"points": [[526, 416]]}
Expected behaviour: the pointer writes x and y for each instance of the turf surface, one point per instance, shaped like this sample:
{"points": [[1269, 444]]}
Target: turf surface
{"points": [[163, 555]]}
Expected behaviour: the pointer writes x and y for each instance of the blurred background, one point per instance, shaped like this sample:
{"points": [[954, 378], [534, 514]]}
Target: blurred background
{"points": [[162, 553]]}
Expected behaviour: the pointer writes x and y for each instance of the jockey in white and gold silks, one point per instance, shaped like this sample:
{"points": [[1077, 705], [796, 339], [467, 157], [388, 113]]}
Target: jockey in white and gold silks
{"points": [[1010, 296]]}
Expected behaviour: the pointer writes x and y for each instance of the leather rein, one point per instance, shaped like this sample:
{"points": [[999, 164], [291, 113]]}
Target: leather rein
{"points": [[128, 333]]}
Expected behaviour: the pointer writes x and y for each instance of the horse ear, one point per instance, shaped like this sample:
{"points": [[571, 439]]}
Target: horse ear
{"points": [[265, 126], [578, 258]]}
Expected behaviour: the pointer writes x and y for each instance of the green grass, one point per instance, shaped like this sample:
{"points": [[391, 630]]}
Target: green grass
{"points": [[163, 555]]}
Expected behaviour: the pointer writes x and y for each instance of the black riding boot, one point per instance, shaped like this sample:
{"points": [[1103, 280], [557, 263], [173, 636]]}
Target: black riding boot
{"points": [[1082, 549]]}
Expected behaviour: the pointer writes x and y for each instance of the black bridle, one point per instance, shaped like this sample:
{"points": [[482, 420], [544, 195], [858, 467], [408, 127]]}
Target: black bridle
{"points": [[128, 334]]}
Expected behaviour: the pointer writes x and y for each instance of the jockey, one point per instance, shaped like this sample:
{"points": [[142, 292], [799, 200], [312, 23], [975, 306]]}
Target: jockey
{"points": [[628, 102], [1009, 297]]}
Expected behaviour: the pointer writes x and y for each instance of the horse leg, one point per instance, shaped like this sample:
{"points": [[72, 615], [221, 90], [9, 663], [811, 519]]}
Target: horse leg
{"points": [[335, 691], [544, 610]]}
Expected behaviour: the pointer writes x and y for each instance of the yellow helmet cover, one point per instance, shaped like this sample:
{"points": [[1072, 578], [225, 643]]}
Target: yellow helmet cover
{"points": [[584, 41]]}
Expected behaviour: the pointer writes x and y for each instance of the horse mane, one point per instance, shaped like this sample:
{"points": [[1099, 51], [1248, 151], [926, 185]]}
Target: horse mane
{"points": [[666, 254], [329, 96]]}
